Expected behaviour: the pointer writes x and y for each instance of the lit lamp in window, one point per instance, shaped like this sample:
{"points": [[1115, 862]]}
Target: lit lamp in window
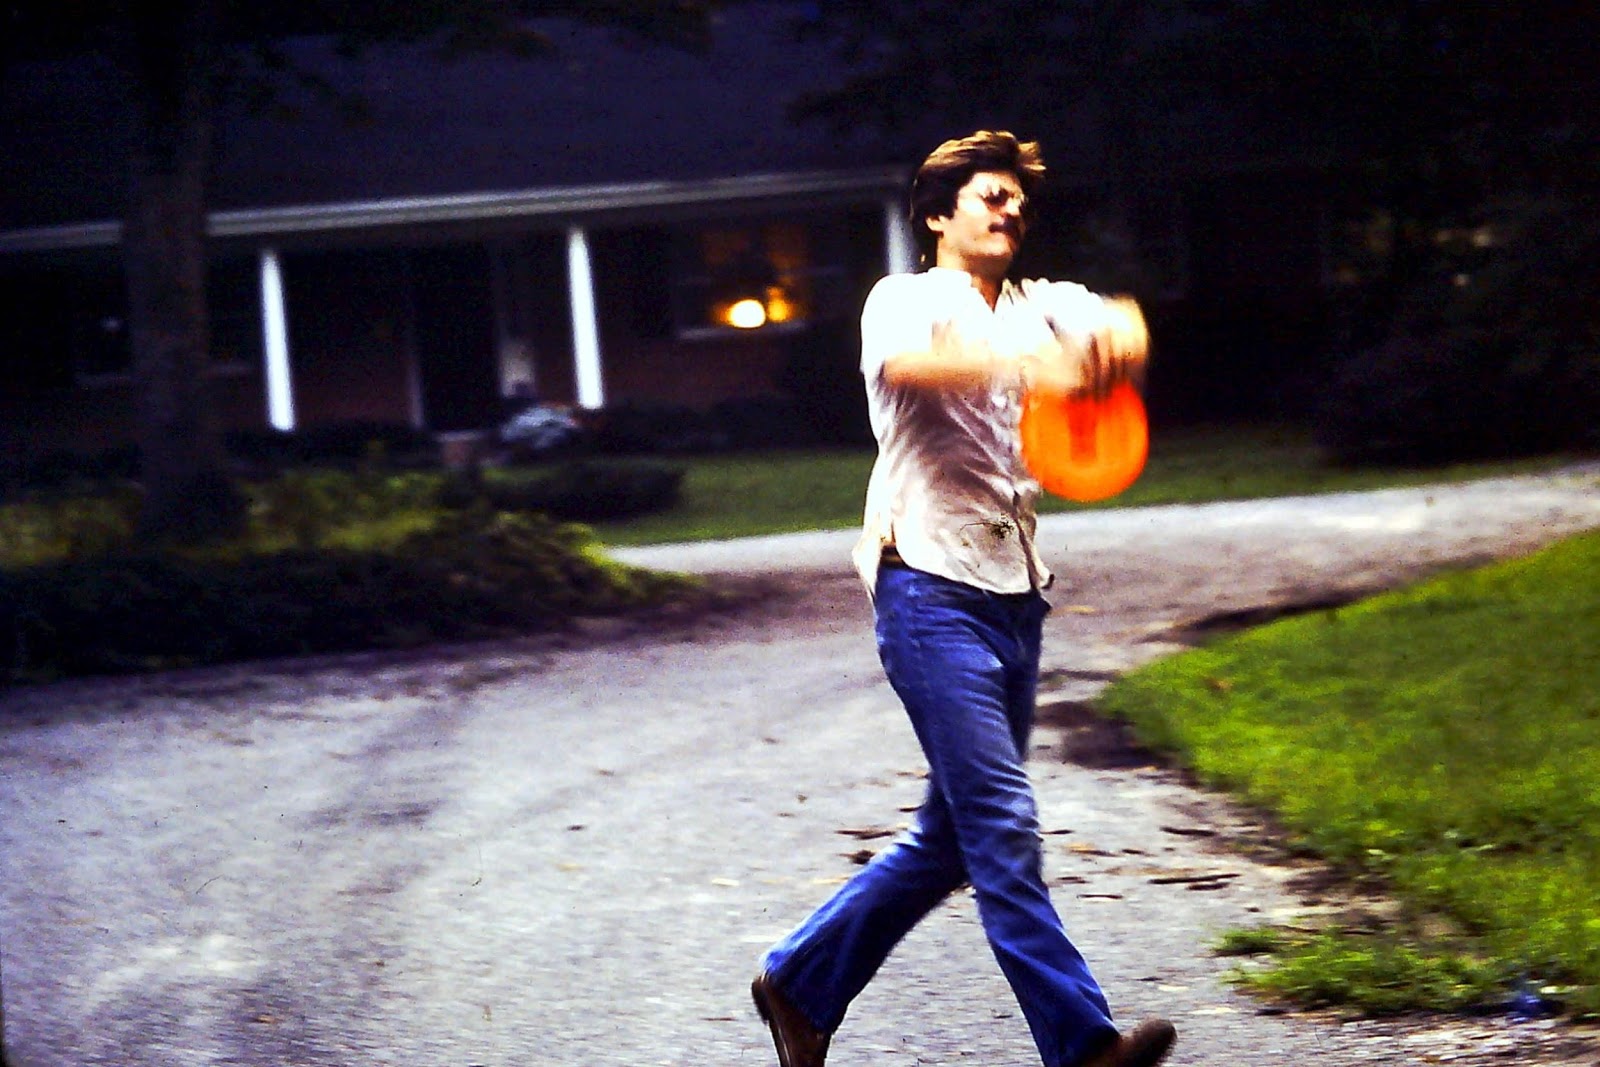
{"points": [[746, 282], [746, 314], [779, 307]]}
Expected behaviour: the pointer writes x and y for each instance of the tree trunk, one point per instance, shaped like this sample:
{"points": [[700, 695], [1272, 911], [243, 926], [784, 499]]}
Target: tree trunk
{"points": [[168, 58]]}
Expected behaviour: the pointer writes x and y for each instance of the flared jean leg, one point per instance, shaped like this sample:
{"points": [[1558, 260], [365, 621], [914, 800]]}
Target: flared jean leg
{"points": [[829, 959], [964, 663]]}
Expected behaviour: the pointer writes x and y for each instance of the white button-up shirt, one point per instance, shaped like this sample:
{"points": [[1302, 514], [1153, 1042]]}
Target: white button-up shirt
{"points": [[949, 490]]}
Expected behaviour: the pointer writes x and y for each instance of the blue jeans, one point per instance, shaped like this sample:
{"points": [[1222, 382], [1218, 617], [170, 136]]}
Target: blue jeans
{"points": [[965, 663]]}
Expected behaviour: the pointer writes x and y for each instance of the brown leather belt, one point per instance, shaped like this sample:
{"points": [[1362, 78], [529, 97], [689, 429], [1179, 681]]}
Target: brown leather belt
{"points": [[891, 557]]}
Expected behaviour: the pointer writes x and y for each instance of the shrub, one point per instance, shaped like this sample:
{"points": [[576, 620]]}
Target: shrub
{"points": [[207, 508], [475, 574], [68, 473], [303, 507], [588, 490], [367, 507], [759, 422], [39, 531], [334, 444], [817, 411], [655, 428], [822, 373], [1496, 352]]}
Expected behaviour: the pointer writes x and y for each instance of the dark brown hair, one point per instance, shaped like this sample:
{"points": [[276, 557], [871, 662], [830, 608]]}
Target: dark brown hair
{"points": [[950, 166]]}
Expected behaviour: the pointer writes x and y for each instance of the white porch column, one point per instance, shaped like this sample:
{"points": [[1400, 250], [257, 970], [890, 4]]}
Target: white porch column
{"points": [[275, 331], [900, 246], [585, 325]]}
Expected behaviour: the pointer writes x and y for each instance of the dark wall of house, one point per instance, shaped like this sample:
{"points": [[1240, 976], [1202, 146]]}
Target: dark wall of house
{"points": [[541, 313], [350, 323], [47, 313], [66, 381], [454, 314], [92, 418], [63, 419], [697, 373], [646, 362], [650, 360]]}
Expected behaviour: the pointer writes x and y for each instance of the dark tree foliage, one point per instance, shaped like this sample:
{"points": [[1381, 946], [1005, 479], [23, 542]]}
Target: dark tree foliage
{"points": [[1470, 138], [1070, 73], [1464, 135], [1439, 106], [1010, 60], [1493, 350], [176, 59]]}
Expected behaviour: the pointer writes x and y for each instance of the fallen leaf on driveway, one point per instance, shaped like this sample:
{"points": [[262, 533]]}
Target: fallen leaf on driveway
{"points": [[1193, 880]]}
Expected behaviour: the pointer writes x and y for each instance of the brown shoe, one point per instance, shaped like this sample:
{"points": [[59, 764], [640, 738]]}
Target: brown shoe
{"points": [[1144, 1046], [799, 1043]]}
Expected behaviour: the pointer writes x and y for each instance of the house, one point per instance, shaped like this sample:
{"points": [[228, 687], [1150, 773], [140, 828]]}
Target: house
{"points": [[623, 224]]}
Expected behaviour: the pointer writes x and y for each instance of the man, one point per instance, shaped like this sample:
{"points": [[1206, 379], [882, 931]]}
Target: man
{"points": [[948, 555]]}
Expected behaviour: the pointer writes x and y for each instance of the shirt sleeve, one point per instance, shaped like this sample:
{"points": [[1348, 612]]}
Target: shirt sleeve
{"points": [[1070, 309], [893, 321]]}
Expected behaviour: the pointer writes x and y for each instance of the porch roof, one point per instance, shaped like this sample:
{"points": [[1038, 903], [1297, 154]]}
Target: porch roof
{"points": [[561, 205]]}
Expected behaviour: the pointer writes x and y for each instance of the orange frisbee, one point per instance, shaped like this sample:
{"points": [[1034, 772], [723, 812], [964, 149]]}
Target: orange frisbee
{"points": [[1083, 447]]}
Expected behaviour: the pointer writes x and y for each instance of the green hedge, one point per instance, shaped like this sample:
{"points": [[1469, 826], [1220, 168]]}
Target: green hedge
{"points": [[587, 490], [367, 506], [1494, 350], [475, 574]]}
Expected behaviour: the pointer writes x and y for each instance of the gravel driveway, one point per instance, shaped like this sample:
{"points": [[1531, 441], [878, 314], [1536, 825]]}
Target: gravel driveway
{"points": [[569, 851]]}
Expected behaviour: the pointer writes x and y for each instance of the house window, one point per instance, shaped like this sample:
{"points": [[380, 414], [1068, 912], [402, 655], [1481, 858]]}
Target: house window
{"points": [[68, 325], [61, 326], [747, 276], [98, 339], [100, 347], [95, 320], [233, 303]]}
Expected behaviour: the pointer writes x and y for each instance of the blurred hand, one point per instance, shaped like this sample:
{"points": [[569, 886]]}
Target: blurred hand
{"points": [[1091, 357], [1119, 347], [1057, 367]]}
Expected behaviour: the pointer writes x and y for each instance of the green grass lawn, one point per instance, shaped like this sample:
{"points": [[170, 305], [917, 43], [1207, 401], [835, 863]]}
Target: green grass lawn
{"points": [[1445, 738], [742, 495]]}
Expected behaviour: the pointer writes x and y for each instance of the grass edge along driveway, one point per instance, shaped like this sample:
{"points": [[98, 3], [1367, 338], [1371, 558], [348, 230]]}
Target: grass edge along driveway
{"points": [[1444, 739]]}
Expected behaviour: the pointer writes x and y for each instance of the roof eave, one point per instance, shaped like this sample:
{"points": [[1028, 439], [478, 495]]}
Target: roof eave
{"points": [[576, 203]]}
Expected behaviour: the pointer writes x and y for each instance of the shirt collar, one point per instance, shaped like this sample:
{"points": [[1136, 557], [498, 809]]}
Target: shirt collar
{"points": [[952, 274]]}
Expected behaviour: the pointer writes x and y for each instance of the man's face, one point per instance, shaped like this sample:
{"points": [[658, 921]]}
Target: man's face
{"points": [[984, 231]]}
